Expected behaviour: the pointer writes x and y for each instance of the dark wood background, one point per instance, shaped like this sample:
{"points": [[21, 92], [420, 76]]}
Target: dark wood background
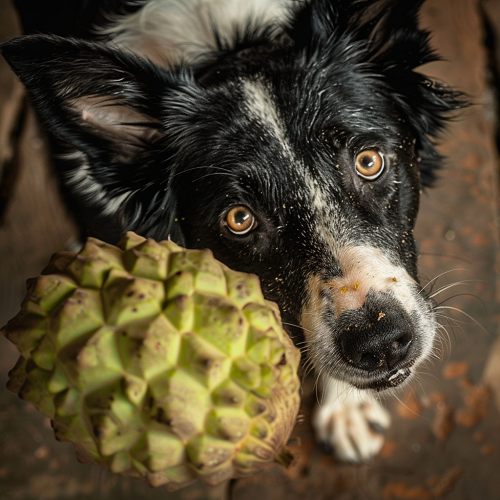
{"points": [[445, 438]]}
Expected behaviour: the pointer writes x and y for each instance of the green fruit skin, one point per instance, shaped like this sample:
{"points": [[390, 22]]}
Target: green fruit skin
{"points": [[157, 362]]}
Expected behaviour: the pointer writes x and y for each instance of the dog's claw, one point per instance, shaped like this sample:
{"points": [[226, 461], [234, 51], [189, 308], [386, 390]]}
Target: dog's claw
{"points": [[327, 447], [377, 427]]}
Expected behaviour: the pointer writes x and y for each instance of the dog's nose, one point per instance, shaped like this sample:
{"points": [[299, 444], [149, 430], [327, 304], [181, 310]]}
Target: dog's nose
{"points": [[369, 352], [376, 336]]}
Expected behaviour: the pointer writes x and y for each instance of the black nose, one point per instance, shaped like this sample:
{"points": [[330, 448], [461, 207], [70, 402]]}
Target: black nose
{"points": [[369, 353], [376, 336]]}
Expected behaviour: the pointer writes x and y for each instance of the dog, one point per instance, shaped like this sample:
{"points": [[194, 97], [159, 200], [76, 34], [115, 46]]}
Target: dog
{"points": [[292, 138]]}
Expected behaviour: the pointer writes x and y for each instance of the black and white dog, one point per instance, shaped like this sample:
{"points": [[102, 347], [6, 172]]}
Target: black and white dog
{"points": [[291, 138]]}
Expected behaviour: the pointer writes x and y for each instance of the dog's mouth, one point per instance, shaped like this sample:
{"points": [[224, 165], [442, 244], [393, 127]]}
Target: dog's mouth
{"points": [[388, 379]]}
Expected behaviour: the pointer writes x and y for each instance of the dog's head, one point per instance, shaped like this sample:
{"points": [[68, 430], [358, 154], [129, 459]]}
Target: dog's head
{"points": [[296, 153]]}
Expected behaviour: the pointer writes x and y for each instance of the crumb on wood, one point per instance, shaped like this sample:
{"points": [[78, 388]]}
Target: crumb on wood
{"points": [[447, 482], [388, 448], [436, 487], [453, 371], [401, 490], [42, 452], [487, 449], [437, 397], [479, 437], [444, 421], [477, 400]]}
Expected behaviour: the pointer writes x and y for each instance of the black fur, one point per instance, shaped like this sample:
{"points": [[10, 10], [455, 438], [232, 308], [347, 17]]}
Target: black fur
{"points": [[183, 145]]}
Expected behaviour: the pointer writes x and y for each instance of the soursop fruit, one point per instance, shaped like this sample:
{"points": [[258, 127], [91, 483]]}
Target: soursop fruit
{"points": [[157, 362]]}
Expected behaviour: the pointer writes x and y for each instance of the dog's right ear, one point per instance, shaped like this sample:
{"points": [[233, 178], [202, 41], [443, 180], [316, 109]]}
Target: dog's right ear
{"points": [[107, 104]]}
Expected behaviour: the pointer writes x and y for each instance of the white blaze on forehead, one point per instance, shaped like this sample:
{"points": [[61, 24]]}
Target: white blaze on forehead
{"points": [[331, 226], [261, 106]]}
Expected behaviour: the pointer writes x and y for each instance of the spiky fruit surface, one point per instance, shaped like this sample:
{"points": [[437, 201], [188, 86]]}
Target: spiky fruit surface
{"points": [[157, 362]]}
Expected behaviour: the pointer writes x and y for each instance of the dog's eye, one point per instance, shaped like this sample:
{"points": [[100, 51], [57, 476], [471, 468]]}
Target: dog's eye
{"points": [[240, 220], [369, 164]]}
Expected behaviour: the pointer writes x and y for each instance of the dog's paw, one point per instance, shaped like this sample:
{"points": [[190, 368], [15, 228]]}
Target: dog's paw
{"points": [[351, 428]]}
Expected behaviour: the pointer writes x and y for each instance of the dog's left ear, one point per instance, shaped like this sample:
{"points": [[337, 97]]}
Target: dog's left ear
{"points": [[373, 21], [385, 36]]}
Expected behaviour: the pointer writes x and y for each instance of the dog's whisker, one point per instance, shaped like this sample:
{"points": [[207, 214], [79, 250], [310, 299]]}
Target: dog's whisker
{"points": [[340, 396], [474, 321], [411, 410], [308, 368], [451, 285], [444, 340], [316, 384], [302, 344], [454, 322], [417, 379], [203, 167], [297, 326], [439, 345], [446, 337], [428, 374], [433, 280], [450, 322], [463, 295]]}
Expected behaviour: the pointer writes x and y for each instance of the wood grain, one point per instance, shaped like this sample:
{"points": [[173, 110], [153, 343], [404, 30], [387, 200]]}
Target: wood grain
{"points": [[457, 229], [35, 224]]}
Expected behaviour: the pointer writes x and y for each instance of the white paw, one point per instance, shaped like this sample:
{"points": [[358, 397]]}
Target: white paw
{"points": [[351, 425]]}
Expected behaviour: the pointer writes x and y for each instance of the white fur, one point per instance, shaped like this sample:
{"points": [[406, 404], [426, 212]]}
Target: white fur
{"points": [[82, 181], [347, 420], [171, 32], [260, 104], [367, 268]]}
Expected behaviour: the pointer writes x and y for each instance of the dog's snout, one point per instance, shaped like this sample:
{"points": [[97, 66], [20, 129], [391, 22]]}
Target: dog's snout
{"points": [[369, 351], [374, 340]]}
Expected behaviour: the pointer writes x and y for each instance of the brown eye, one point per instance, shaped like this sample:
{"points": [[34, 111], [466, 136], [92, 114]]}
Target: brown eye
{"points": [[240, 220], [369, 164]]}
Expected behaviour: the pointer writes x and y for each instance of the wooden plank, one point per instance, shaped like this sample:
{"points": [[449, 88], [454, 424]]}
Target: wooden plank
{"points": [[491, 375], [458, 222]]}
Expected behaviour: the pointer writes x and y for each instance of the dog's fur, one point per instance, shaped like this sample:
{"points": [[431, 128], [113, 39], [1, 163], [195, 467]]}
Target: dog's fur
{"points": [[185, 109]]}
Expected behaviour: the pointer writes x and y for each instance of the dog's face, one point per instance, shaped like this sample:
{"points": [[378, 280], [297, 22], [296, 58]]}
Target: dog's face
{"points": [[296, 157], [319, 203]]}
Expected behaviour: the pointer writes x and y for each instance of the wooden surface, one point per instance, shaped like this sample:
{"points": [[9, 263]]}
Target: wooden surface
{"points": [[445, 438]]}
